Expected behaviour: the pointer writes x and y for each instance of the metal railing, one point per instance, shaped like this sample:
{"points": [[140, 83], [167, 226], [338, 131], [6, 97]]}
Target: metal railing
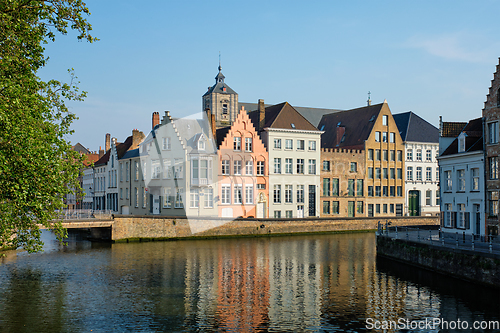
{"points": [[478, 243], [78, 214]]}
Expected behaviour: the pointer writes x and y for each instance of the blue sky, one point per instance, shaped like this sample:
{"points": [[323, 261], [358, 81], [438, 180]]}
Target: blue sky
{"points": [[431, 57]]}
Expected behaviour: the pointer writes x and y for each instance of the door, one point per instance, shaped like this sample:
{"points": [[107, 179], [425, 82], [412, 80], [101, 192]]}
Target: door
{"points": [[300, 211], [125, 210], [350, 209], [312, 200], [414, 203], [156, 204], [477, 217], [261, 208]]}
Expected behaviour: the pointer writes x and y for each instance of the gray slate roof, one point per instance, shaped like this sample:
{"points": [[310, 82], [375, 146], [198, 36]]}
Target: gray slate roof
{"points": [[219, 86], [313, 115], [413, 128]]}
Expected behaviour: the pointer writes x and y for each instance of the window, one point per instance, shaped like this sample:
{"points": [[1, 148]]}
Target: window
{"points": [[289, 214], [224, 108], [377, 154], [288, 165], [419, 155], [121, 172], [335, 207], [384, 208], [312, 145], [335, 186], [409, 155], [350, 187], [326, 207], [428, 155], [248, 144], [392, 137], [359, 207], [370, 154], [428, 199], [437, 198], [384, 173], [209, 197], [385, 155], [277, 214], [121, 193], [144, 198], [370, 191], [400, 173], [277, 165], [359, 187], [127, 178], [399, 191], [493, 164], [448, 183], [384, 120], [249, 194], [136, 196], [277, 193], [377, 173], [178, 169], [493, 203], [354, 167], [419, 173], [237, 144], [428, 174], [237, 191], [393, 155], [461, 180], [249, 168], [195, 198], [126, 193], [201, 144], [312, 167], [377, 191], [377, 136], [385, 191], [288, 144], [166, 144], [167, 193], [236, 167], [493, 132], [300, 165], [409, 173], [300, 193], [326, 165], [377, 208], [288, 193], [400, 155], [392, 173], [384, 137], [277, 143], [326, 187], [475, 179], [392, 191], [448, 216], [167, 169], [461, 216], [370, 173], [136, 170], [226, 194], [225, 167], [300, 144], [261, 186], [260, 168]]}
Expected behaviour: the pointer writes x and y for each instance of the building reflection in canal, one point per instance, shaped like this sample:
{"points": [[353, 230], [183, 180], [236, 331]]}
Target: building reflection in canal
{"points": [[327, 282]]}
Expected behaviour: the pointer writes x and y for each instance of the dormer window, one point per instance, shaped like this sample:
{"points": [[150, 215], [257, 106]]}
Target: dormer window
{"points": [[461, 143], [201, 145]]}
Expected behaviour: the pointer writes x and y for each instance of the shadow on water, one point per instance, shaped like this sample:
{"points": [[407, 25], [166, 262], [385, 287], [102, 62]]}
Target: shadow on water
{"points": [[472, 295]]}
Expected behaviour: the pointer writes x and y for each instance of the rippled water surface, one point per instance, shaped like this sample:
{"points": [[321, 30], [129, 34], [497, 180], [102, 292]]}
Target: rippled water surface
{"points": [[301, 283]]}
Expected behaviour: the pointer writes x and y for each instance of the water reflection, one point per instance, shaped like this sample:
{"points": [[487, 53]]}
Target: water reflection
{"points": [[301, 283]]}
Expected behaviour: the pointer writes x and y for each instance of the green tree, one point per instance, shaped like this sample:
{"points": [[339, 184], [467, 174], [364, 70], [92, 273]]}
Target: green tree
{"points": [[37, 165]]}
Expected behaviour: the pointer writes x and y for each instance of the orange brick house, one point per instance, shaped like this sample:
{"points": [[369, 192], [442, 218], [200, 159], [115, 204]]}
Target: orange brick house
{"points": [[243, 170]]}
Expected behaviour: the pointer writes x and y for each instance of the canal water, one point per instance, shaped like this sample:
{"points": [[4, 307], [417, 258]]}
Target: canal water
{"points": [[316, 283]]}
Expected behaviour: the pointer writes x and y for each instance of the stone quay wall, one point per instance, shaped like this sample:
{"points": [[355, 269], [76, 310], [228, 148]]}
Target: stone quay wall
{"points": [[477, 267], [144, 228]]}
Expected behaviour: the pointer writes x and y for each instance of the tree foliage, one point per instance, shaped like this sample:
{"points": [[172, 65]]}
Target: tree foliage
{"points": [[37, 164]]}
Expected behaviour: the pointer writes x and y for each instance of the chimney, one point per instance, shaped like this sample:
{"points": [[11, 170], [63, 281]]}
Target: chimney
{"points": [[137, 137], [211, 122], [340, 134], [101, 152], [108, 142], [156, 119], [262, 115]]}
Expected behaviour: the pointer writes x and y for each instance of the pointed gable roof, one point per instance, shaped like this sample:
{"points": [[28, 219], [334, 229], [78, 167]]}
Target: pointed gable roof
{"points": [[355, 126], [220, 87], [473, 139], [415, 129], [282, 116]]}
